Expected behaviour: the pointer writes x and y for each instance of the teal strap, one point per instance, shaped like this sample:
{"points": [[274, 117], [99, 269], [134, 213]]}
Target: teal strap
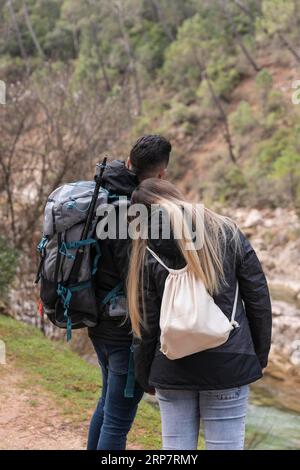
{"points": [[77, 244], [42, 244], [64, 251], [69, 329], [65, 246], [66, 294], [113, 293], [113, 197], [67, 299], [130, 383], [73, 204]]}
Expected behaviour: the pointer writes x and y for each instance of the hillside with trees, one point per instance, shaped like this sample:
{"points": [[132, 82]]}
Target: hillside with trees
{"points": [[85, 77]]}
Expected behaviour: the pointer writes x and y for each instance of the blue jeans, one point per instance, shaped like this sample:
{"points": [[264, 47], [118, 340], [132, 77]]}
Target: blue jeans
{"points": [[114, 413], [223, 413]]}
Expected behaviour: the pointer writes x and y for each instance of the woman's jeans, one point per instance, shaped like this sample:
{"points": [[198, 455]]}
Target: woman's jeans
{"points": [[114, 414], [223, 413]]}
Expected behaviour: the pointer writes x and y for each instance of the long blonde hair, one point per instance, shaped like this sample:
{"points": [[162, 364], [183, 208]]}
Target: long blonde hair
{"points": [[206, 262]]}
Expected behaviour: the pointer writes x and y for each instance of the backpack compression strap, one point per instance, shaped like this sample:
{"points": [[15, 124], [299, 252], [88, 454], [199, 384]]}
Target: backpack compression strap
{"points": [[113, 293]]}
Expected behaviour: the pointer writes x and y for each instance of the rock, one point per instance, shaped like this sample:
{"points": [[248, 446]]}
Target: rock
{"points": [[254, 218], [249, 232], [285, 289], [295, 358], [280, 239], [260, 244], [269, 223], [279, 213], [285, 309], [276, 310], [296, 344], [279, 366], [270, 265]]}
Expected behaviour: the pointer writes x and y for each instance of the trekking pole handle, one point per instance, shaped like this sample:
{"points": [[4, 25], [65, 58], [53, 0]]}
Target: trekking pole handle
{"points": [[100, 168]]}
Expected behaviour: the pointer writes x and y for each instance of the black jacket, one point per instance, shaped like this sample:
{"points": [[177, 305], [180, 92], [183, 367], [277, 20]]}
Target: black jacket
{"points": [[241, 359], [112, 267]]}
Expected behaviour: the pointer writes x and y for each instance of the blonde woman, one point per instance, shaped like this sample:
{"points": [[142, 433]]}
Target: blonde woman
{"points": [[211, 385]]}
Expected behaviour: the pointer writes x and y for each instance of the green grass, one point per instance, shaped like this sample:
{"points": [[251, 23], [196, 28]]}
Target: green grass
{"points": [[72, 382], [74, 385]]}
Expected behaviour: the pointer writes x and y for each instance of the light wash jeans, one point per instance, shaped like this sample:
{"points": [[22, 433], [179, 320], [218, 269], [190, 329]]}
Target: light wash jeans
{"points": [[223, 413]]}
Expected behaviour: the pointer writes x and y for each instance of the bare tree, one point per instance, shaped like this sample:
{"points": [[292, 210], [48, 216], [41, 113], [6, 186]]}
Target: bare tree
{"points": [[31, 30], [218, 103], [100, 57], [17, 29], [120, 14], [284, 41], [288, 45], [244, 8], [238, 37], [92, 5], [50, 134], [162, 19], [296, 14]]}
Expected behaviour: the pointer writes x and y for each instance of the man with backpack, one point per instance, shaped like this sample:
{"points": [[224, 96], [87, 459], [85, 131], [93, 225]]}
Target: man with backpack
{"points": [[112, 338]]}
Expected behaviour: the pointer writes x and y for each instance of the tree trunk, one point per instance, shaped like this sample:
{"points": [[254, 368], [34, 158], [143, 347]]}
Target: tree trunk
{"points": [[297, 16], [130, 55], [223, 116], [239, 39], [100, 58], [245, 9], [17, 29], [162, 19], [31, 30], [288, 45], [283, 39]]}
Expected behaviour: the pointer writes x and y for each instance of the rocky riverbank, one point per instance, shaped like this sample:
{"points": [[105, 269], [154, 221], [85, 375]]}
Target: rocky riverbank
{"points": [[276, 238]]}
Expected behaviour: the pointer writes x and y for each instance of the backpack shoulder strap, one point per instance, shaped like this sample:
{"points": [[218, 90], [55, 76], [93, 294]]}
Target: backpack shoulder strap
{"points": [[158, 259], [233, 322]]}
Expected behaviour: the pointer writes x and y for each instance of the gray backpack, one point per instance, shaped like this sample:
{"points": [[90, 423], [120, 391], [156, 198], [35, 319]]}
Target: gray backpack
{"points": [[70, 253]]}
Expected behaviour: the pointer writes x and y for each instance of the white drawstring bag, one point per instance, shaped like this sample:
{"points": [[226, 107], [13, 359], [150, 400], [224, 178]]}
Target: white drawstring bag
{"points": [[190, 321]]}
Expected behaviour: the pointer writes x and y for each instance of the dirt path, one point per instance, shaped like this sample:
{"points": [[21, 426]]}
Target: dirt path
{"points": [[30, 420]]}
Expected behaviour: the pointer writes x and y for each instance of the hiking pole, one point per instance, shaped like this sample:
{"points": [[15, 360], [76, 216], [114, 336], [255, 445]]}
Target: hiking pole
{"points": [[98, 179], [80, 253]]}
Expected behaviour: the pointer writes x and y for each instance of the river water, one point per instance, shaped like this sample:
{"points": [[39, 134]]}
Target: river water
{"points": [[269, 428]]}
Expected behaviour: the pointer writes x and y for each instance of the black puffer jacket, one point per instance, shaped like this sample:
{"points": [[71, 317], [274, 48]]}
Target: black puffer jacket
{"points": [[241, 359], [112, 267]]}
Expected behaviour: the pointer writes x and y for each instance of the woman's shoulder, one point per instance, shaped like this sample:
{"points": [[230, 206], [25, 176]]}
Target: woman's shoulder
{"points": [[168, 251]]}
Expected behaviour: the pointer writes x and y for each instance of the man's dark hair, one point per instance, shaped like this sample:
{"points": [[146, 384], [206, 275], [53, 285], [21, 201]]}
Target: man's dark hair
{"points": [[149, 153]]}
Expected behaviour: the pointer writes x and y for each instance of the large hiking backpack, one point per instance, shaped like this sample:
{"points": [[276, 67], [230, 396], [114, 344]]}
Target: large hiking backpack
{"points": [[70, 253]]}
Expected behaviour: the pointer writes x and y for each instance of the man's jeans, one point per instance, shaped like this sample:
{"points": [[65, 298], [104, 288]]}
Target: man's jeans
{"points": [[114, 414], [223, 413]]}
